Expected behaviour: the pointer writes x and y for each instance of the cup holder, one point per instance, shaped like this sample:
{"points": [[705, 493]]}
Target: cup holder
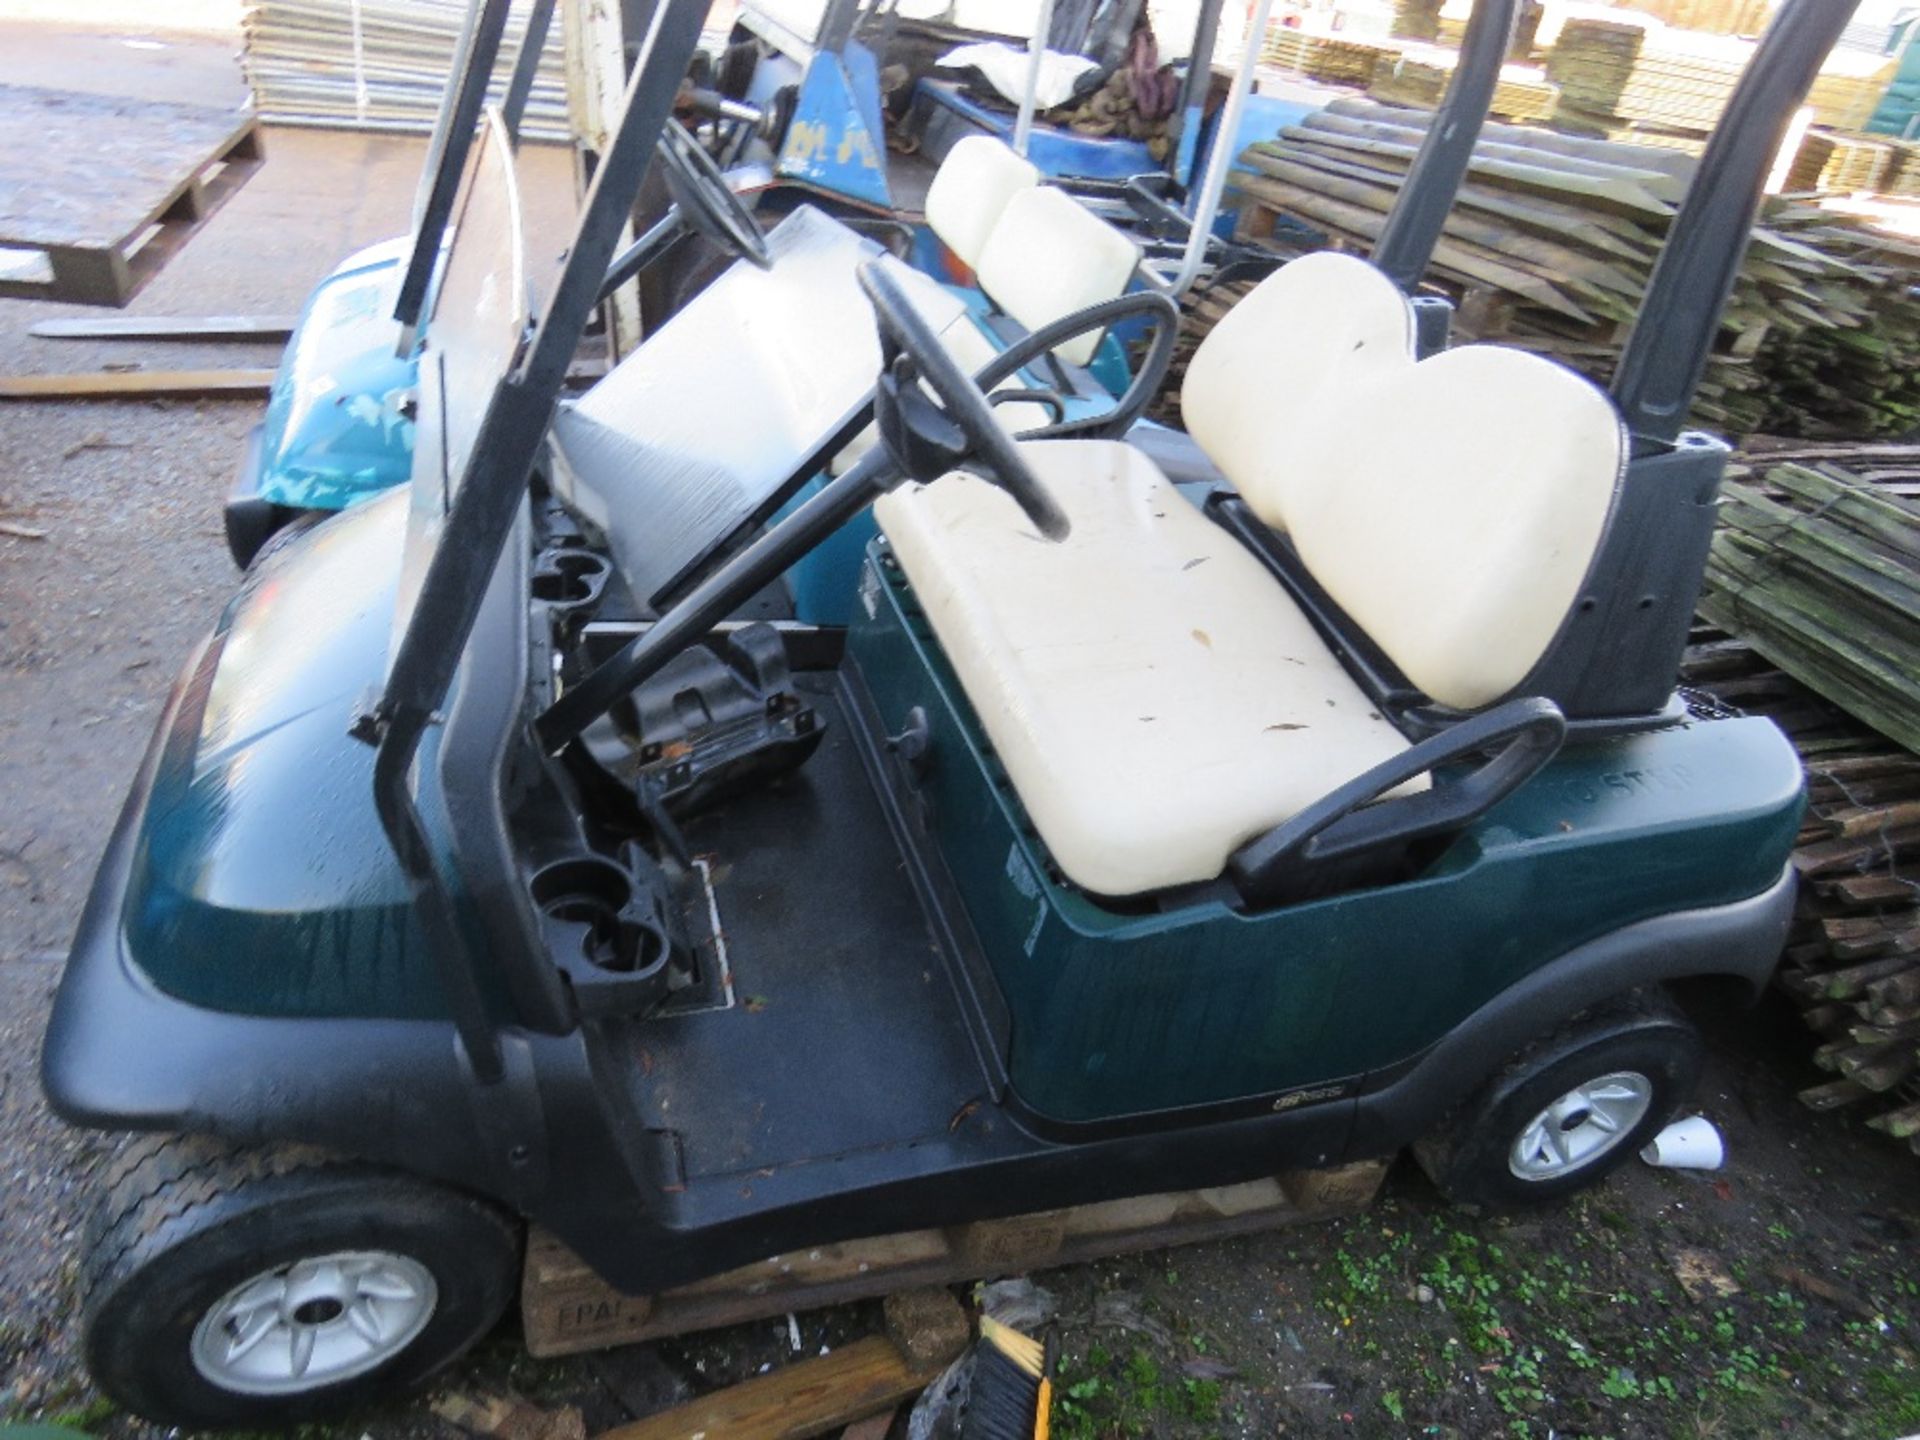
{"points": [[589, 907], [570, 577]]}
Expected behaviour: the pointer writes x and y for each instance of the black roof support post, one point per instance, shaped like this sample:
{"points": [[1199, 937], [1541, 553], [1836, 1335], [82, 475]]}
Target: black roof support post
{"points": [[1420, 210], [1694, 275], [1618, 652], [525, 66], [447, 156], [489, 496]]}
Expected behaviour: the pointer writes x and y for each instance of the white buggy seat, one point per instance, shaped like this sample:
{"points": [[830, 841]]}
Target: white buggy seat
{"points": [[1037, 253], [970, 191], [1155, 694], [695, 431]]}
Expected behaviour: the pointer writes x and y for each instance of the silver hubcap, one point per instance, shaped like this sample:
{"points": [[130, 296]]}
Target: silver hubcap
{"points": [[1581, 1126], [313, 1323]]}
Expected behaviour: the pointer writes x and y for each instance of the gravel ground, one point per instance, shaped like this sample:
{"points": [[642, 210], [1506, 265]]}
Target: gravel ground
{"points": [[1412, 1319]]}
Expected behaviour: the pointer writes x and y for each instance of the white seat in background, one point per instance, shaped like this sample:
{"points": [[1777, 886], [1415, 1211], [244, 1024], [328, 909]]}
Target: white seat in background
{"points": [[1044, 257], [687, 437], [970, 190], [1156, 696], [1050, 257]]}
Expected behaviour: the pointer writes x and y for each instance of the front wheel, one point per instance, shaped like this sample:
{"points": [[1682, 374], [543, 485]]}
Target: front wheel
{"points": [[226, 1287], [1569, 1108]]}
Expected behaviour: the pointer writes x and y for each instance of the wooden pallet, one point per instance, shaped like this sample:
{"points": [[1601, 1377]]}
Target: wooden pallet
{"points": [[97, 192], [566, 1308]]}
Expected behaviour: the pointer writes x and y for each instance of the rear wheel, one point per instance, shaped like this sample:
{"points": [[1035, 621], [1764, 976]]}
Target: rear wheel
{"points": [[232, 1287], [1569, 1108]]}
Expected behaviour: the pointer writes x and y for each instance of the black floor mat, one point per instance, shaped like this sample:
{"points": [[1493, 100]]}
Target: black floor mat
{"points": [[844, 1034]]}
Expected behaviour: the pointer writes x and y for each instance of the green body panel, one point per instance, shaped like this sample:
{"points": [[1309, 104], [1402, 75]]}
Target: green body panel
{"points": [[262, 882], [1117, 1013]]}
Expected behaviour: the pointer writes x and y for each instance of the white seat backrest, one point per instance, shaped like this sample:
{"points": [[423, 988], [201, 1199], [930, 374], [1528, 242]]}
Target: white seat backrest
{"points": [[1451, 506], [1050, 256], [1275, 360], [970, 189]]}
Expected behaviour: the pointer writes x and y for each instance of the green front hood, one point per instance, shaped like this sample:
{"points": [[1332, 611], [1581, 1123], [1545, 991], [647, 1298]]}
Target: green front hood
{"points": [[262, 881]]}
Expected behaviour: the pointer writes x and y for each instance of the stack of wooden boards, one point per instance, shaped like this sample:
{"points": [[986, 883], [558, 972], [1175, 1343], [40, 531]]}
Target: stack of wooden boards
{"points": [[1814, 586], [1615, 75], [1420, 76], [1416, 20], [380, 64], [1711, 17], [1322, 57], [1832, 162], [1820, 571], [1553, 238], [1852, 965]]}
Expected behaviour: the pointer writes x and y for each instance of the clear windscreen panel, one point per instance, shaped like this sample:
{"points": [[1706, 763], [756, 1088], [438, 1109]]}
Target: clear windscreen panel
{"points": [[469, 344]]}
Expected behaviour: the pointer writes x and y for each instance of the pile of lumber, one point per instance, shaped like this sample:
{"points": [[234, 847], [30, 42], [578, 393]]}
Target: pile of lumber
{"points": [[1819, 571], [1322, 57], [1828, 160], [1415, 20], [1813, 586], [1711, 17], [1852, 963], [1612, 73], [1844, 163], [1422, 79], [380, 64], [1553, 238]]}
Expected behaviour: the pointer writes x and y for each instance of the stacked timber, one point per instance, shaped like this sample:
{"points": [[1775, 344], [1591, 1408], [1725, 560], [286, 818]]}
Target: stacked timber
{"points": [[1833, 162], [1415, 20], [1628, 72], [1552, 239], [1819, 571], [1814, 585], [1421, 78], [1710, 17], [1852, 962], [380, 64], [1322, 57]]}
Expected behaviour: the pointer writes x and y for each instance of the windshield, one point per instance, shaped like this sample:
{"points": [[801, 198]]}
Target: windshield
{"points": [[479, 320]]}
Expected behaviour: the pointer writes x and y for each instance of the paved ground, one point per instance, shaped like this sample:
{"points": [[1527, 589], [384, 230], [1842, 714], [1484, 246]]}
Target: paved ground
{"points": [[1411, 1320]]}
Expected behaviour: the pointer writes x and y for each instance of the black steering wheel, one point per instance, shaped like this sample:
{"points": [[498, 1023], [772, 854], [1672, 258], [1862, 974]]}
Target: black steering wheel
{"points": [[927, 440], [705, 199]]}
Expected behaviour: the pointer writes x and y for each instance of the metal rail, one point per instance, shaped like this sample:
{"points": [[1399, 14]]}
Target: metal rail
{"points": [[1029, 100], [1220, 156]]}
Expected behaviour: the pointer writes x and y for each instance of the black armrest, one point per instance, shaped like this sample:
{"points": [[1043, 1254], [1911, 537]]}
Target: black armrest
{"points": [[1353, 837]]}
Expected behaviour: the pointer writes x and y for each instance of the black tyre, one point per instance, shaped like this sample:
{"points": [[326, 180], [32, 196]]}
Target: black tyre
{"points": [[1568, 1108], [225, 1287]]}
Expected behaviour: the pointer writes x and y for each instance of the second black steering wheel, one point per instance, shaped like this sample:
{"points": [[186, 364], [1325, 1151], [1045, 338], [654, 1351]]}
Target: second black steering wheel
{"points": [[911, 352], [706, 200]]}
